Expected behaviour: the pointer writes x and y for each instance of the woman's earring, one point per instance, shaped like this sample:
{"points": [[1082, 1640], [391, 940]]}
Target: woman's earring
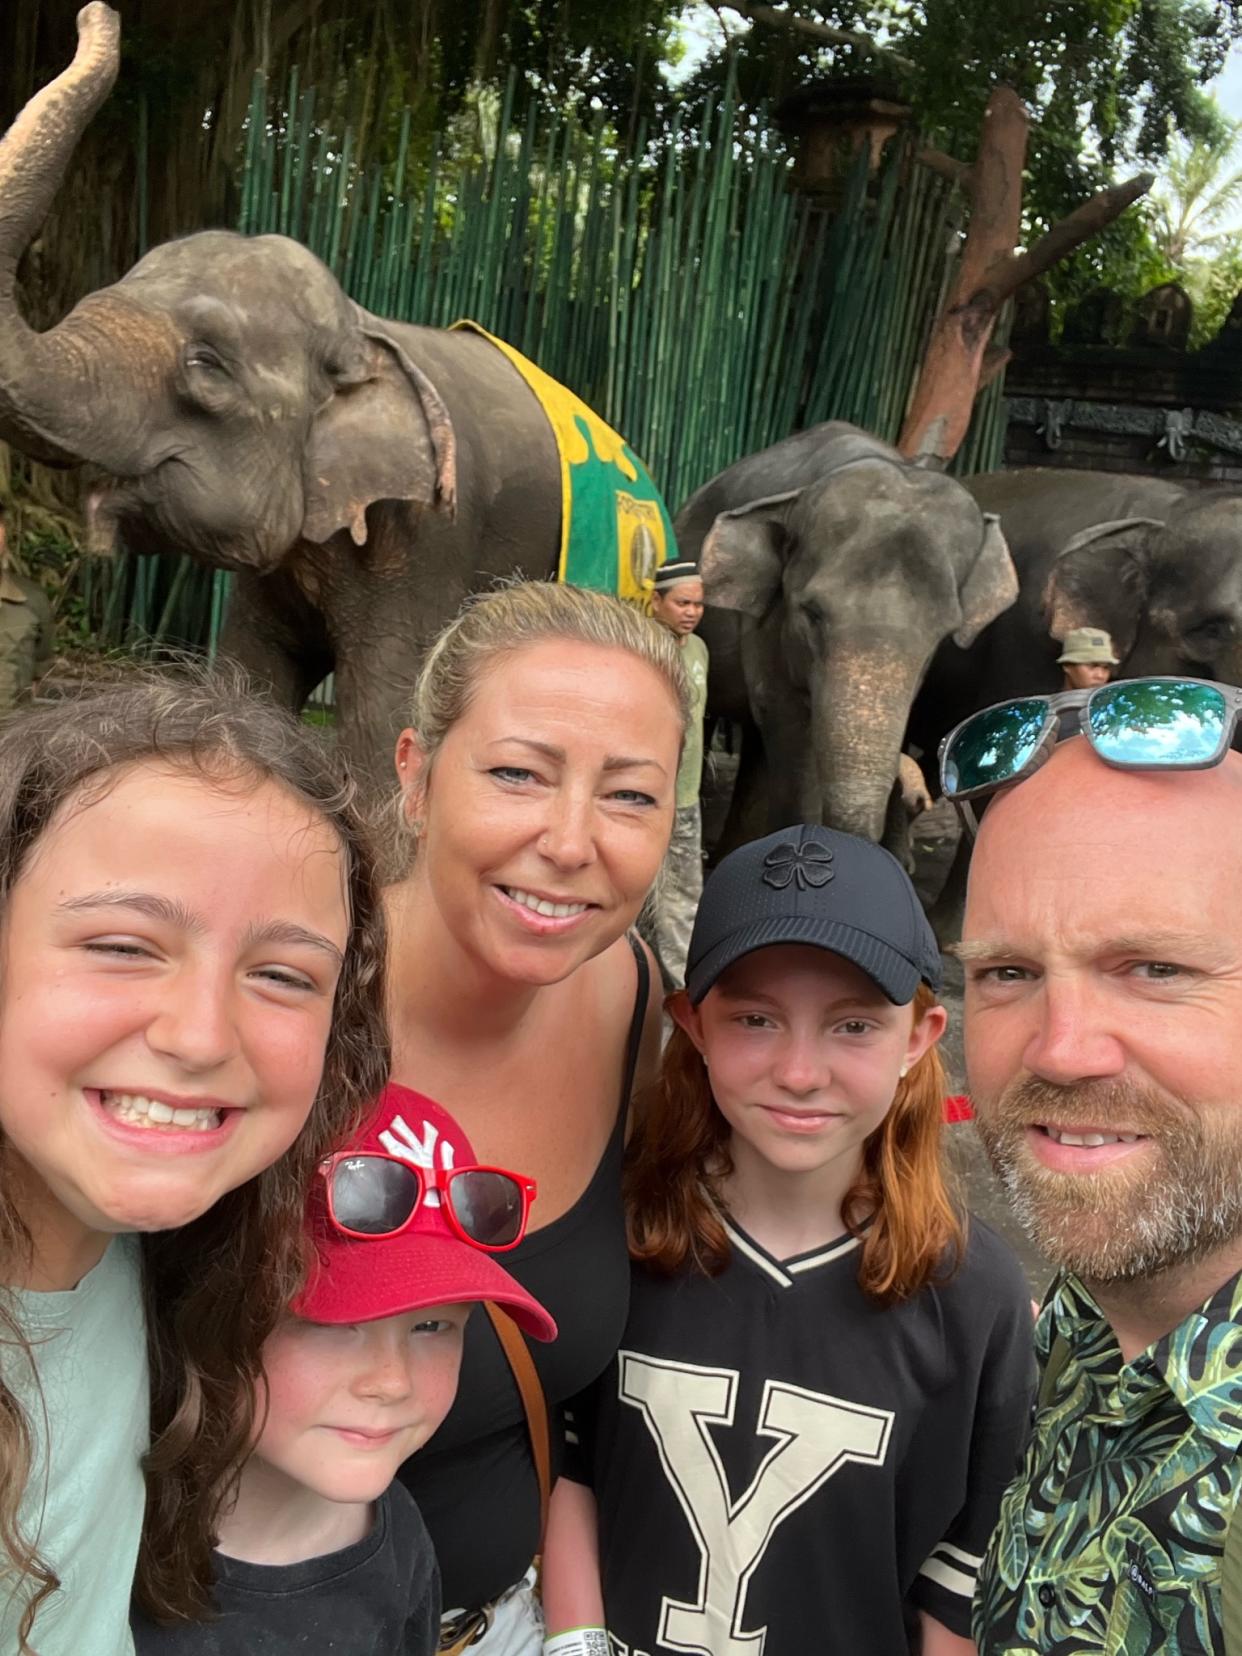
{"points": [[904, 1071]]}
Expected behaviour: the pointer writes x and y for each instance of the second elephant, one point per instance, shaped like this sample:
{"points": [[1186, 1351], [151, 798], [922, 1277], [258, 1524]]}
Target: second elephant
{"points": [[833, 570]]}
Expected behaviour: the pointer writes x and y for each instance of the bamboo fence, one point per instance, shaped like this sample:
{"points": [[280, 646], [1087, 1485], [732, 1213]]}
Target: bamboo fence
{"points": [[686, 291]]}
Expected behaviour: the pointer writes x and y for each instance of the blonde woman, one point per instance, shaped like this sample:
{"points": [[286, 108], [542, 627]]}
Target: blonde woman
{"points": [[537, 782]]}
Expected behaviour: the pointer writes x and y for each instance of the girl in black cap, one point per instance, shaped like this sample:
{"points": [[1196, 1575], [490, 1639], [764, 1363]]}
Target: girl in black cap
{"points": [[826, 1376]]}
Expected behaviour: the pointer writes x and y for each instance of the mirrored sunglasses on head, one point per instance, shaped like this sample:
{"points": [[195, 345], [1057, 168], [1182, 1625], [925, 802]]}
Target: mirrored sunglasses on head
{"points": [[372, 1195], [1133, 724]]}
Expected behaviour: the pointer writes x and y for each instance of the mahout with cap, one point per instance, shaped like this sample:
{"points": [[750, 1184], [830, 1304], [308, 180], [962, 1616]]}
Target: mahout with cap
{"points": [[801, 1272], [677, 604], [1103, 958], [1087, 658], [191, 989], [320, 1549]]}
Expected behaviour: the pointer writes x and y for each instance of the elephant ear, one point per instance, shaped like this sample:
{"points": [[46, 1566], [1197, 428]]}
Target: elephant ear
{"points": [[991, 583], [1100, 580], [742, 559], [384, 434]]}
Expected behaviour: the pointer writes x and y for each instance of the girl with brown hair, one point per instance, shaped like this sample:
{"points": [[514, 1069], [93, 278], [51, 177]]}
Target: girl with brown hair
{"points": [[825, 1380], [191, 960]]}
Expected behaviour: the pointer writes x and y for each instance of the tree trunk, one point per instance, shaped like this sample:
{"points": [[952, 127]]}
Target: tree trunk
{"points": [[958, 360]]}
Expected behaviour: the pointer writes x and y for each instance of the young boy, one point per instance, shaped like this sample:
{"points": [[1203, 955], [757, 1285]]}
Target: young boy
{"points": [[322, 1550]]}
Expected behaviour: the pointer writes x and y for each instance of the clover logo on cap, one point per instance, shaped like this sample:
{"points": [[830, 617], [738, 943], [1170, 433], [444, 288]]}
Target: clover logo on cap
{"points": [[809, 863]]}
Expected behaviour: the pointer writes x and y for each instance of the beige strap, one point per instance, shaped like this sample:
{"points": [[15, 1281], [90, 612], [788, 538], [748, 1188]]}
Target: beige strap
{"points": [[456, 1647], [526, 1377]]}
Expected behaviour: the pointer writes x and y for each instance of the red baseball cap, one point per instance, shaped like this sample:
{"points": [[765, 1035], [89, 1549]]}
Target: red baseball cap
{"points": [[358, 1279]]}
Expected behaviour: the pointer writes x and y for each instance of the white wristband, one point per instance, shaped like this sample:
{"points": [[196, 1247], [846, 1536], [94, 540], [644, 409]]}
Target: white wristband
{"points": [[580, 1641]]}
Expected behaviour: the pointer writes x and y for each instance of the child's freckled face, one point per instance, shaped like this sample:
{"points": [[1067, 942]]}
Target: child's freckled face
{"points": [[804, 1053], [348, 1402]]}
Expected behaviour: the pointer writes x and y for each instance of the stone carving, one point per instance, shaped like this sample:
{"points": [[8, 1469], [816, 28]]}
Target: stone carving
{"points": [[1163, 317]]}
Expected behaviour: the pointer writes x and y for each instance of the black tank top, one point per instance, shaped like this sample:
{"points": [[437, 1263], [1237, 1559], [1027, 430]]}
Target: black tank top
{"points": [[475, 1482]]}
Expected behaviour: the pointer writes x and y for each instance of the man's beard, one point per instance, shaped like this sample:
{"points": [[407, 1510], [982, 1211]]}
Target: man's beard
{"points": [[1170, 1203]]}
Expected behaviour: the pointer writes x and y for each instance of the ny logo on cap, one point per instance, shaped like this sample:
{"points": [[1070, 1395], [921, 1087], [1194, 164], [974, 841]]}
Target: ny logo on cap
{"points": [[423, 1149], [809, 863]]}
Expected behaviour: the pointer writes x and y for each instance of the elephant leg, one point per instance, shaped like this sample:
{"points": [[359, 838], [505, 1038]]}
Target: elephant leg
{"points": [[949, 909], [791, 793], [747, 815], [908, 800], [372, 709], [277, 637], [897, 836]]}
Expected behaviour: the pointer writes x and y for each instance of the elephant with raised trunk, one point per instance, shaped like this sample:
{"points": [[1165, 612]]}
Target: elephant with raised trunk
{"points": [[833, 570], [360, 476]]}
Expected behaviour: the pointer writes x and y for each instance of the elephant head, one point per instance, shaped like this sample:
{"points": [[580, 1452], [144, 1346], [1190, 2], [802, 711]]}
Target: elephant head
{"points": [[237, 400], [854, 581], [1169, 591]]}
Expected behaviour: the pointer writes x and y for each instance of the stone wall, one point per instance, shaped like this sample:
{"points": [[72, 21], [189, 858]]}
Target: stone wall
{"points": [[1145, 405]]}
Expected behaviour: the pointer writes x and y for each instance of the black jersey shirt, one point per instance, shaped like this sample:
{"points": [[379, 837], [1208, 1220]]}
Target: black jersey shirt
{"points": [[379, 1597], [782, 1465]]}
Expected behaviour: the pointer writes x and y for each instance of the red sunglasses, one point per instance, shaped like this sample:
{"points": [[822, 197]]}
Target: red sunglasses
{"points": [[372, 1195]]}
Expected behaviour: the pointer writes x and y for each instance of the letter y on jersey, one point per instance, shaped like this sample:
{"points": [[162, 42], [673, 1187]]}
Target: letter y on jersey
{"points": [[814, 1436]]}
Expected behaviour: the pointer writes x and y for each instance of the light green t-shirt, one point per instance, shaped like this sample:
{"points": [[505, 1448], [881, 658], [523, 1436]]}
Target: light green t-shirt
{"points": [[690, 772], [91, 1353]]}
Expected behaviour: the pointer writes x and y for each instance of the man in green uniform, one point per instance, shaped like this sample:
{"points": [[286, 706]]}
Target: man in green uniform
{"points": [[677, 603], [25, 628]]}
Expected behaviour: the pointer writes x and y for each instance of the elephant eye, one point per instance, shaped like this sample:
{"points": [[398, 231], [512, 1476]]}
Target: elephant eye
{"points": [[202, 356]]}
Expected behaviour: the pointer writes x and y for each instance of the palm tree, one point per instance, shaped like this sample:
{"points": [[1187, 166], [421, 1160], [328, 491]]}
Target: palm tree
{"points": [[1197, 191]]}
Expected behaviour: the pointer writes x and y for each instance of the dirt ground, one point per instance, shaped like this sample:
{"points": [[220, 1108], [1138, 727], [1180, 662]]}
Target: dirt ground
{"points": [[935, 841]]}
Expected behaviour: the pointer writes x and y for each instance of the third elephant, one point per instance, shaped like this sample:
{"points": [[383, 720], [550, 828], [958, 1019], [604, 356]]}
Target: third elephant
{"points": [[1156, 563], [833, 570]]}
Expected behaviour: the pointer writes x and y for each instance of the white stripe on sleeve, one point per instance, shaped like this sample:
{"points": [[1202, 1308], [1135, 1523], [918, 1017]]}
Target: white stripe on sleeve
{"points": [[944, 1575], [972, 1561]]}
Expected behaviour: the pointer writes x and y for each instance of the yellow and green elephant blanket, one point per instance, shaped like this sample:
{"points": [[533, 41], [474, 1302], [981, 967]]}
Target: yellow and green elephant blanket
{"points": [[615, 527]]}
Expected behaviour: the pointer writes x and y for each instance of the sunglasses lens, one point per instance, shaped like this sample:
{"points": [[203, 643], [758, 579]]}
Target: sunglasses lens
{"points": [[992, 747], [1157, 722], [373, 1195], [488, 1206]]}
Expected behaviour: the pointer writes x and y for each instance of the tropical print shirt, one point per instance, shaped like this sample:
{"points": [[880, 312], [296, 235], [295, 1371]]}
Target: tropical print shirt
{"points": [[1110, 1540]]}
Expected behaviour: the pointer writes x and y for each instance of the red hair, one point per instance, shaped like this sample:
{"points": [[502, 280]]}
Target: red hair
{"points": [[899, 1205]]}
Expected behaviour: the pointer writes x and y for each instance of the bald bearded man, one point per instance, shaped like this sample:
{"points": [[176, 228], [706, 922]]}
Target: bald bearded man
{"points": [[1103, 957]]}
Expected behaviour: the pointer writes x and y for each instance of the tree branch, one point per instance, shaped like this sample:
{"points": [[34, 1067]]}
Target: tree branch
{"points": [[960, 357], [995, 361], [1087, 220], [948, 166], [822, 32]]}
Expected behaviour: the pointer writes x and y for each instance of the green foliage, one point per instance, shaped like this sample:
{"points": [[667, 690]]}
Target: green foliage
{"points": [[1200, 187], [1124, 258], [1107, 81], [1198, 193], [1213, 284]]}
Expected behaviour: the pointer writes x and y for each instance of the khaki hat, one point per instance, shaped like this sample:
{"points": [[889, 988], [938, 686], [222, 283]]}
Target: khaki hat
{"points": [[1088, 644]]}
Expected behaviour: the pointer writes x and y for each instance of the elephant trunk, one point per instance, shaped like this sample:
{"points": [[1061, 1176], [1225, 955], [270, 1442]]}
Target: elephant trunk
{"points": [[859, 711], [54, 386]]}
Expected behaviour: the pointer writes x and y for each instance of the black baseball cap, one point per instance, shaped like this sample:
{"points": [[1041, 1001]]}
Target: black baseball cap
{"points": [[818, 886]]}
